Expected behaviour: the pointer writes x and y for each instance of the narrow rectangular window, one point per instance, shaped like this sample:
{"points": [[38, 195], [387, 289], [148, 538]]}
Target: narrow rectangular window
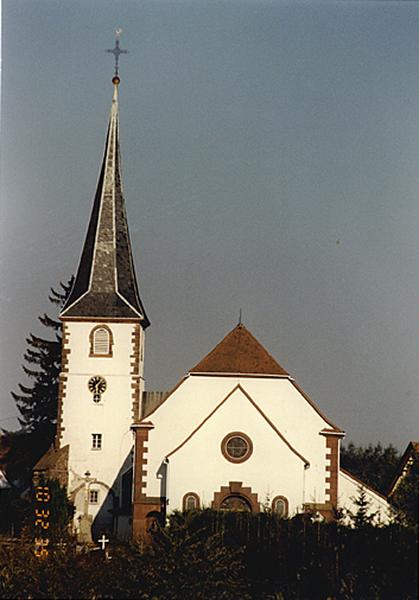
{"points": [[93, 496], [96, 441]]}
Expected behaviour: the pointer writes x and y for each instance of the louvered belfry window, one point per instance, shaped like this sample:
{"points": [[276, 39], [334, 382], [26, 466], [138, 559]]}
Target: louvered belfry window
{"points": [[101, 341]]}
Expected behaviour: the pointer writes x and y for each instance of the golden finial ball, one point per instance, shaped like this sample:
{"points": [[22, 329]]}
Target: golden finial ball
{"points": [[116, 80]]}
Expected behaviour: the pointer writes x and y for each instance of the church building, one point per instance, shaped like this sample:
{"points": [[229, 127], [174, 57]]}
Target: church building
{"points": [[236, 433], [101, 378]]}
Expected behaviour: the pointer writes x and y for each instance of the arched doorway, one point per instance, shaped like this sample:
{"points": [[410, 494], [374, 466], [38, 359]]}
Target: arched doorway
{"points": [[236, 502], [236, 497]]}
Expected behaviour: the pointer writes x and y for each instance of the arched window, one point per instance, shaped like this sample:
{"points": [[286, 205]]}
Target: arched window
{"points": [[190, 501], [101, 341], [280, 506], [154, 521], [236, 502]]}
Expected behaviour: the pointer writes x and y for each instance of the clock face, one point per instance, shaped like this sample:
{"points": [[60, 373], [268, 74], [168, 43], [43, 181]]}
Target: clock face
{"points": [[97, 384]]}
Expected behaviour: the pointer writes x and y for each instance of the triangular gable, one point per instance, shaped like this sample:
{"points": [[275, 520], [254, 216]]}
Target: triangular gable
{"points": [[411, 451], [239, 352], [256, 406], [361, 483], [334, 428]]}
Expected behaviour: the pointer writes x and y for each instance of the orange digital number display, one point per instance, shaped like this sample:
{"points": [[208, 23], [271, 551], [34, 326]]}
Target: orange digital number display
{"points": [[42, 514], [40, 549]]}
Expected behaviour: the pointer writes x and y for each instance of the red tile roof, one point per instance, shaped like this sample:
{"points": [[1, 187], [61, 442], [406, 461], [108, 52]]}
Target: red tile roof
{"points": [[239, 352]]}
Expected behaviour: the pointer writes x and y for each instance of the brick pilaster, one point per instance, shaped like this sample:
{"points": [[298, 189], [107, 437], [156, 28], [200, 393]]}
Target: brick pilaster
{"points": [[135, 371], [62, 384], [332, 438], [143, 504]]}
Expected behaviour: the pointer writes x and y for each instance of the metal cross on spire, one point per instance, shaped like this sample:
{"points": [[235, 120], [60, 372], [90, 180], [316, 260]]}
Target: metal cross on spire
{"points": [[117, 51]]}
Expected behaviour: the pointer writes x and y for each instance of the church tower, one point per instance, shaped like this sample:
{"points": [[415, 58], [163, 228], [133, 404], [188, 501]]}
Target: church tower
{"points": [[101, 380]]}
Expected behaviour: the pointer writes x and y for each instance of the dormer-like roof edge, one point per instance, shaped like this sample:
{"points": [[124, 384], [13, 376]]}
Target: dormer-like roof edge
{"points": [[239, 375]]}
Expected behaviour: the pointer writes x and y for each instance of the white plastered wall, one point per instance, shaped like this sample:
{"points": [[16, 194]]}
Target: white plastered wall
{"points": [[299, 423], [112, 416], [273, 469], [349, 490]]}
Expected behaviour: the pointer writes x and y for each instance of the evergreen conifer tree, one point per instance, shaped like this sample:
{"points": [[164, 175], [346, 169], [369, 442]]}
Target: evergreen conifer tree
{"points": [[362, 516], [373, 464], [37, 403]]}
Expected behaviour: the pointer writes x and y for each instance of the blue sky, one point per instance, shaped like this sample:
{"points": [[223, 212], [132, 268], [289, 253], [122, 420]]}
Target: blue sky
{"points": [[270, 156]]}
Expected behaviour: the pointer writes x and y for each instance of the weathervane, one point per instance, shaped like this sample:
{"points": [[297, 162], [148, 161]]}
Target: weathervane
{"points": [[116, 52]]}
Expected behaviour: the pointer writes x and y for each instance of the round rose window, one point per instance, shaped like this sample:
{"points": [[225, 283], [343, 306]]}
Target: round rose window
{"points": [[236, 447]]}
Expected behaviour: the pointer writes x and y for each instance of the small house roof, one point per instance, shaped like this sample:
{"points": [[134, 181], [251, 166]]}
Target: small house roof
{"points": [[402, 468], [49, 460]]}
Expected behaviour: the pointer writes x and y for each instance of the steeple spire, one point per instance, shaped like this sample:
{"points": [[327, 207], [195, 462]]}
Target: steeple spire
{"points": [[105, 285]]}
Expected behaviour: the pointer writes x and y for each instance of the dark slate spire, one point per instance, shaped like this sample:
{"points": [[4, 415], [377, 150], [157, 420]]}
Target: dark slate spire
{"points": [[105, 286]]}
